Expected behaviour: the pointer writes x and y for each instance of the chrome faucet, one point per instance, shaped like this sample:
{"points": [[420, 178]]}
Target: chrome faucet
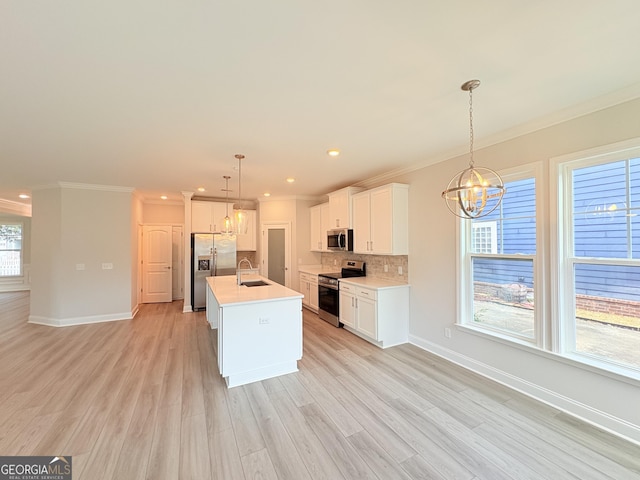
{"points": [[239, 270], [245, 259]]}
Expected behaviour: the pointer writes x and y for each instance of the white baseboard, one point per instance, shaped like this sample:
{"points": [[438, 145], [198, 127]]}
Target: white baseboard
{"points": [[17, 287], [576, 409], [67, 322]]}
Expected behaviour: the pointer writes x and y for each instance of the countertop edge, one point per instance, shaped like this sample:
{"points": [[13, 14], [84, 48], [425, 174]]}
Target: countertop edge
{"points": [[374, 283]]}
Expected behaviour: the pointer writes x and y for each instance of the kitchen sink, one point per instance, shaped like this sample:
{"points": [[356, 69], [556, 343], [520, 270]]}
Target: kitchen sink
{"points": [[255, 283]]}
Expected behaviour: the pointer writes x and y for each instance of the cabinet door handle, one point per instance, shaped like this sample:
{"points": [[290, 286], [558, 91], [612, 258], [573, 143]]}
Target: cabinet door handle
{"points": [[356, 302]]}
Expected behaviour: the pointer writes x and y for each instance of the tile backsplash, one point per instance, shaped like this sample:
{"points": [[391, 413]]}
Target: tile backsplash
{"points": [[375, 264], [249, 255]]}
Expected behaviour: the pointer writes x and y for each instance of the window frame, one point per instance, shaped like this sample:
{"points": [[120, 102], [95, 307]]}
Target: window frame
{"points": [[465, 288], [21, 250], [563, 259]]}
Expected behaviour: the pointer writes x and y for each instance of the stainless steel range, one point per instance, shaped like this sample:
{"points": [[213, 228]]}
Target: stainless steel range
{"points": [[328, 294]]}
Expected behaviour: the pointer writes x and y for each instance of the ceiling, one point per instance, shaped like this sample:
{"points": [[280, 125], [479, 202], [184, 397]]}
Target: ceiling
{"points": [[159, 95]]}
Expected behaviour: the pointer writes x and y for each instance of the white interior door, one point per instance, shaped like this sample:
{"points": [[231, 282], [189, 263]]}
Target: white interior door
{"points": [[276, 252], [156, 264]]}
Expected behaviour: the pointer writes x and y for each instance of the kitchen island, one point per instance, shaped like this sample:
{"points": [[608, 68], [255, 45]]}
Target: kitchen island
{"points": [[259, 328]]}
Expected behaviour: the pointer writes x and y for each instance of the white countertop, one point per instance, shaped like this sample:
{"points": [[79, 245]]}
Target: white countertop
{"points": [[318, 269], [227, 291], [373, 282]]}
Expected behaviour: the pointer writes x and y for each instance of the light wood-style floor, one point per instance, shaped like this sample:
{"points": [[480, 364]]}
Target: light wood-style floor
{"points": [[143, 399]]}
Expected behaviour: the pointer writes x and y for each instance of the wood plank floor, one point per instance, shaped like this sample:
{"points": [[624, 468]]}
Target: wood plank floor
{"points": [[142, 399]]}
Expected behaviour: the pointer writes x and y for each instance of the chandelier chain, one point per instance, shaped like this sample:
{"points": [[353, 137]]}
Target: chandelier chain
{"points": [[471, 162]]}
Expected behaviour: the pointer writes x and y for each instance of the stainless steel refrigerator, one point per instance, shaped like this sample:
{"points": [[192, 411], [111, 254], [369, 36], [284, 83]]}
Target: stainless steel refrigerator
{"points": [[212, 254]]}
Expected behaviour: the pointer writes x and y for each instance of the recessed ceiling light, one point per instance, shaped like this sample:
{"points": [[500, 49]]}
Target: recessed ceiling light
{"points": [[291, 179], [334, 152], [266, 194], [163, 197], [201, 189], [23, 195]]}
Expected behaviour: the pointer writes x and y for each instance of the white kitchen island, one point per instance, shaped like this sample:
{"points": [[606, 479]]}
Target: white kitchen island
{"points": [[259, 328]]}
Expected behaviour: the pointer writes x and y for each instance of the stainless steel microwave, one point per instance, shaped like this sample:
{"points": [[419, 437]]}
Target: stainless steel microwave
{"points": [[340, 239]]}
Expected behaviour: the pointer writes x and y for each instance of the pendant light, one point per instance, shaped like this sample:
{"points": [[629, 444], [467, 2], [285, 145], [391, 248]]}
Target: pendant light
{"points": [[227, 222], [240, 214], [476, 191]]}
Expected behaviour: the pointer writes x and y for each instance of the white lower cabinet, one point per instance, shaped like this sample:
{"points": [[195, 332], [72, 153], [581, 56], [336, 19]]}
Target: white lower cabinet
{"points": [[379, 314], [347, 306], [309, 288]]}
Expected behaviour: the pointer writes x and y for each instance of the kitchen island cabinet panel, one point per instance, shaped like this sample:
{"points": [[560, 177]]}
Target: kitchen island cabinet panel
{"points": [[259, 329]]}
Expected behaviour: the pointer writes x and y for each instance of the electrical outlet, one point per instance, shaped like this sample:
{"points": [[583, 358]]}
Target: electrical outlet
{"points": [[263, 321], [386, 268], [447, 333], [107, 266], [399, 269]]}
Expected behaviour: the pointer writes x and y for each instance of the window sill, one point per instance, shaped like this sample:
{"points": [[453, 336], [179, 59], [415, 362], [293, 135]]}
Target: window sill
{"points": [[618, 373]]}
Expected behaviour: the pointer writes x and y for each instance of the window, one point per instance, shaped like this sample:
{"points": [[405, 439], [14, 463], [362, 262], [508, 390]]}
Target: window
{"points": [[483, 237], [599, 253], [10, 249], [499, 263]]}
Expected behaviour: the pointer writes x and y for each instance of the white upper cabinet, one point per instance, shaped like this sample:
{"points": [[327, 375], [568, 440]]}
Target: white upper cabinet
{"points": [[381, 220], [246, 242], [340, 207], [208, 217], [315, 236], [319, 224]]}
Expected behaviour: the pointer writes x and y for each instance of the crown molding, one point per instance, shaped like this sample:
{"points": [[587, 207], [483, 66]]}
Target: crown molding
{"points": [[280, 198], [628, 94], [85, 186]]}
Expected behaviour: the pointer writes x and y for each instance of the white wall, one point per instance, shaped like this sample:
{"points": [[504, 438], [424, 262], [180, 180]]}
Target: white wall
{"points": [[163, 213], [602, 398], [81, 225]]}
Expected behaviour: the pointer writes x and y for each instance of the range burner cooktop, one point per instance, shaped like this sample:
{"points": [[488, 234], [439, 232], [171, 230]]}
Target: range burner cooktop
{"points": [[350, 268]]}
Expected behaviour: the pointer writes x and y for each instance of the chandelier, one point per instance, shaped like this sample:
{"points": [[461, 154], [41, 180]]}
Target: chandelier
{"points": [[476, 191], [227, 222], [240, 214]]}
